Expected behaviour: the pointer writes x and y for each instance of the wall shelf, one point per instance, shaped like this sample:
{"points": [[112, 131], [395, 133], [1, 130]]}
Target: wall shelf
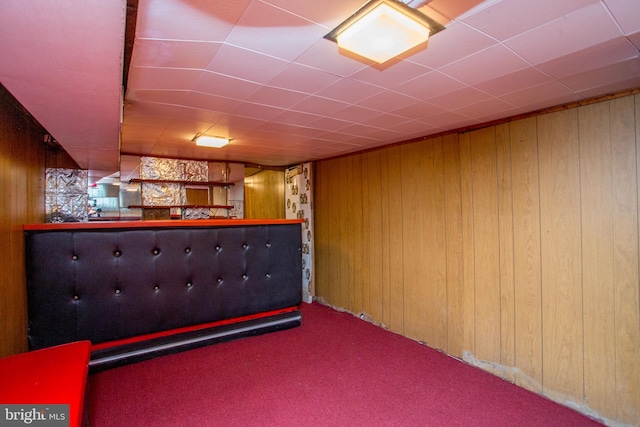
{"points": [[153, 211], [182, 182], [180, 206]]}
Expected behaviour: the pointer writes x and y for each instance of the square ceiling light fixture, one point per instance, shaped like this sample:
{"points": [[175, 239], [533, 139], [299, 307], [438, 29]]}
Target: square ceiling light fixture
{"points": [[210, 141], [383, 29]]}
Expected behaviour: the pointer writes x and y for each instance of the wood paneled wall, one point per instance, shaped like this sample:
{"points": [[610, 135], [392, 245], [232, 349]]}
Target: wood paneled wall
{"points": [[264, 195], [22, 184], [514, 247]]}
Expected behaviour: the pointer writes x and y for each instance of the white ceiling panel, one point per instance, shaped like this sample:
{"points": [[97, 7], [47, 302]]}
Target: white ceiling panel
{"points": [[488, 64], [506, 19], [430, 85], [263, 27], [175, 53], [579, 30], [619, 72], [261, 72], [196, 20], [625, 13], [610, 52], [461, 41], [245, 64], [514, 82], [223, 85]]}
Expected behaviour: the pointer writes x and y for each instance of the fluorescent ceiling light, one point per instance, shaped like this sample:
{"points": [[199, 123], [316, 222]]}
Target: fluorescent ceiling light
{"points": [[383, 29], [210, 141]]}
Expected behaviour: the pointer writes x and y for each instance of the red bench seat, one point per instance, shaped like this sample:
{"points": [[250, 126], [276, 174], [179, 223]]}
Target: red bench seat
{"points": [[54, 375]]}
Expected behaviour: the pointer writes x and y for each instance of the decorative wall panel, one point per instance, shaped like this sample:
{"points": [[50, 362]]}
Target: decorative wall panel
{"points": [[159, 194], [66, 195], [299, 205]]}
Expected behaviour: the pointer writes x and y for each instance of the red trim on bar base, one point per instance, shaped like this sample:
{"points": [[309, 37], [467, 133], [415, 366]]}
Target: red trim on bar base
{"points": [[140, 338]]}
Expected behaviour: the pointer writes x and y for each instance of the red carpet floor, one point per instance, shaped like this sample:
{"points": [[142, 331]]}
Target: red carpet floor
{"points": [[334, 370]]}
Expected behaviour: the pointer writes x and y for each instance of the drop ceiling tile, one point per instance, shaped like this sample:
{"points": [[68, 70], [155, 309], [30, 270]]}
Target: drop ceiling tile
{"points": [[276, 128], [447, 66], [491, 109], [263, 28], [276, 97], [136, 145], [384, 136], [134, 121], [385, 121], [162, 78], [283, 127], [513, 82], [180, 134], [238, 125], [452, 120], [387, 100], [621, 71], [447, 10], [419, 111], [158, 96], [349, 91], [163, 111], [173, 53], [204, 101], [245, 64], [454, 43], [460, 98], [506, 19], [329, 124], [626, 13], [635, 39], [187, 125], [392, 76], [359, 130], [319, 105], [327, 12], [252, 141], [324, 55], [569, 34], [614, 87], [176, 151], [355, 113], [169, 19], [295, 118], [303, 79], [223, 85], [535, 97], [606, 53], [143, 132], [430, 85], [488, 64], [414, 128], [256, 111]]}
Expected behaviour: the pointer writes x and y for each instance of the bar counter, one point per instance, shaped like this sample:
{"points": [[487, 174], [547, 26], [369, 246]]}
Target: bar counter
{"points": [[157, 224], [140, 289]]}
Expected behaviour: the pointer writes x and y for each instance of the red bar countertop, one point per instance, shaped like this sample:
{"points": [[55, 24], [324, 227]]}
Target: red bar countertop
{"points": [[159, 224], [54, 375]]}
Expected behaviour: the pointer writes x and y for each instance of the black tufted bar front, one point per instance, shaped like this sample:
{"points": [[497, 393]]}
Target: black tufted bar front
{"points": [[140, 289]]}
